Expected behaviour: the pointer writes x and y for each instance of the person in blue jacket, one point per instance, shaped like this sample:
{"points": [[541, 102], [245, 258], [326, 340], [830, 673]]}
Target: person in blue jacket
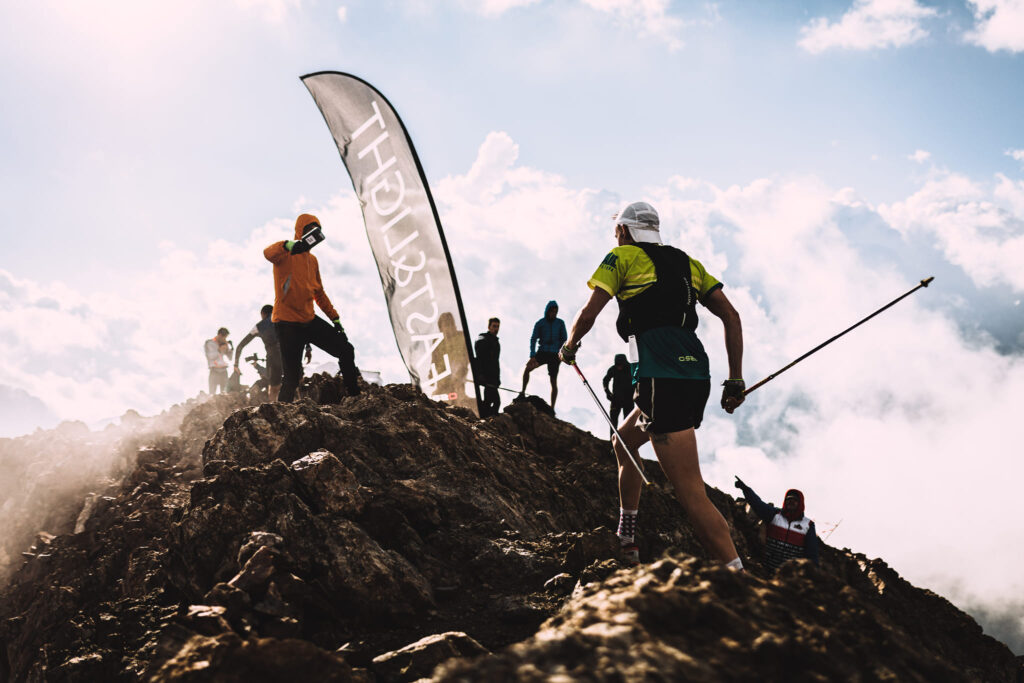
{"points": [[789, 532], [548, 336]]}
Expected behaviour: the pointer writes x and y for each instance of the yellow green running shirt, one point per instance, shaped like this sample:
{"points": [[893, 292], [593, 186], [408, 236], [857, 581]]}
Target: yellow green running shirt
{"points": [[665, 351]]}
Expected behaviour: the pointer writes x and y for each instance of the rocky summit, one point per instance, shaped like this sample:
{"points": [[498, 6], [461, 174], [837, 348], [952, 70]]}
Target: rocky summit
{"points": [[386, 537]]}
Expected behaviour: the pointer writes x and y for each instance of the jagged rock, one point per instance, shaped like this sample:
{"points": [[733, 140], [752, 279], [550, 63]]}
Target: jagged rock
{"points": [[227, 658], [418, 659], [560, 584], [257, 570], [331, 485], [679, 619], [600, 544], [149, 456], [207, 619], [258, 540], [234, 599]]}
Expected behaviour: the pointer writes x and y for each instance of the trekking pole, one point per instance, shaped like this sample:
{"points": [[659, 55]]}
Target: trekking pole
{"points": [[924, 283], [495, 386], [600, 409]]}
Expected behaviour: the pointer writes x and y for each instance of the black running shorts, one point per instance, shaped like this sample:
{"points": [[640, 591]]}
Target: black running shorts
{"points": [[668, 404], [549, 359]]}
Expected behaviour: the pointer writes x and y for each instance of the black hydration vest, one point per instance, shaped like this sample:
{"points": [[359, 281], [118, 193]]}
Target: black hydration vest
{"points": [[669, 302]]}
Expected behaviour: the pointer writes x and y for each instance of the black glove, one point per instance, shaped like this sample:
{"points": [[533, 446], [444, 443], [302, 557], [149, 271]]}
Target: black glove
{"points": [[338, 327], [296, 247], [609, 395], [732, 394], [739, 484], [568, 354]]}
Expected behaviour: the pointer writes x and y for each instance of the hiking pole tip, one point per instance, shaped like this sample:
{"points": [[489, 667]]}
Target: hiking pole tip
{"points": [[925, 282]]}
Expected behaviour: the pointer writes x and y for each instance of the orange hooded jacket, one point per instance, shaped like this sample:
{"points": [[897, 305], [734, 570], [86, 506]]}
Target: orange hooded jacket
{"points": [[297, 280]]}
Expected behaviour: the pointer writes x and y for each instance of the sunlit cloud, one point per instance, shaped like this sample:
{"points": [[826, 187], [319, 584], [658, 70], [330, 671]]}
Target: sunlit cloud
{"points": [[999, 25], [273, 11], [978, 227], [496, 7], [920, 156], [869, 25], [650, 18]]}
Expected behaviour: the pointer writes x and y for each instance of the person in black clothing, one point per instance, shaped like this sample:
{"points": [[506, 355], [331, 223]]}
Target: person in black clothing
{"points": [[620, 376], [268, 335], [488, 368]]}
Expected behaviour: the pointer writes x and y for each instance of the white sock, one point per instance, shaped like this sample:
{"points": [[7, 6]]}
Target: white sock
{"points": [[735, 564], [627, 526]]}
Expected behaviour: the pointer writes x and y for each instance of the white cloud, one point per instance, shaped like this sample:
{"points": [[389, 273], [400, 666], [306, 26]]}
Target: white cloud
{"points": [[920, 156], [272, 11], [999, 25], [342, 14], [979, 229], [1011, 194], [1016, 154], [649, 17], [868, 25], [496, 7]]}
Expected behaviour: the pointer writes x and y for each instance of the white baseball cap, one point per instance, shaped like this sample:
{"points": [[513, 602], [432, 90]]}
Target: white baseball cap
{"points": [[642, 221]]}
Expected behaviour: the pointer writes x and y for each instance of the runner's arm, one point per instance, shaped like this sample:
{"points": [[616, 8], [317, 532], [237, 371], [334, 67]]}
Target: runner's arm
{"points": [[719, 304], [764, 511], [584, 320], [276, 252], [241, 345], [608, 378]]}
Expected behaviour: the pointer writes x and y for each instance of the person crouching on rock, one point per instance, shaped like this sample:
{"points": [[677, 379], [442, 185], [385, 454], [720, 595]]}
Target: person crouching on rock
{"points": [[789, 532], [297, 285], [658, 287]]}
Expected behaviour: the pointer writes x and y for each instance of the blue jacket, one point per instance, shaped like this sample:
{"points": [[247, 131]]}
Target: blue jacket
{"points": [[550, 334]]}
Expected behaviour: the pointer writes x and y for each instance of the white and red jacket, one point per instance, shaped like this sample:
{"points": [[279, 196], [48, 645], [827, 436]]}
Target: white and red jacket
{"points": [[787, 537]]}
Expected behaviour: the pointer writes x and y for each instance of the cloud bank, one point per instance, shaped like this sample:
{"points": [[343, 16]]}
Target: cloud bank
{"points": [[868, 25]]}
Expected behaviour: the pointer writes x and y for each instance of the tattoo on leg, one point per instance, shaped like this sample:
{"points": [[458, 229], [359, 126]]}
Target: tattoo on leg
{"points": [[659, 438]]}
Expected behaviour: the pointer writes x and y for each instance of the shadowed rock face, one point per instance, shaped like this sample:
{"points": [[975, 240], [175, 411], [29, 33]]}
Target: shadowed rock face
{"points": [[376, 537]]}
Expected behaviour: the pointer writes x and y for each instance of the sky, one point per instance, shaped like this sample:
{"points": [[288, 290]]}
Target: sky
{"points": [[820, 158]]}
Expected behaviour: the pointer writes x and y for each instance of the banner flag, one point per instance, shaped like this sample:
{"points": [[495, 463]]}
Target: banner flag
{"points": [[405, 235]]}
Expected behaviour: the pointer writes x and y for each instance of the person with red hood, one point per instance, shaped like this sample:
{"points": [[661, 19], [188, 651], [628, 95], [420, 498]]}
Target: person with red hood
{"points": [[789, 532], [297, 285]]}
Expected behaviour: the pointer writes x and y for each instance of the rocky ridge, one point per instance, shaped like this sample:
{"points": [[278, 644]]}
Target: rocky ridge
{"points": [[386, 537]]}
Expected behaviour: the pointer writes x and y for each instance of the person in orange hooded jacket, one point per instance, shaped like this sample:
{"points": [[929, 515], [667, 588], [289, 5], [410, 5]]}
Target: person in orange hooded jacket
{"points": [[296, 286]]}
